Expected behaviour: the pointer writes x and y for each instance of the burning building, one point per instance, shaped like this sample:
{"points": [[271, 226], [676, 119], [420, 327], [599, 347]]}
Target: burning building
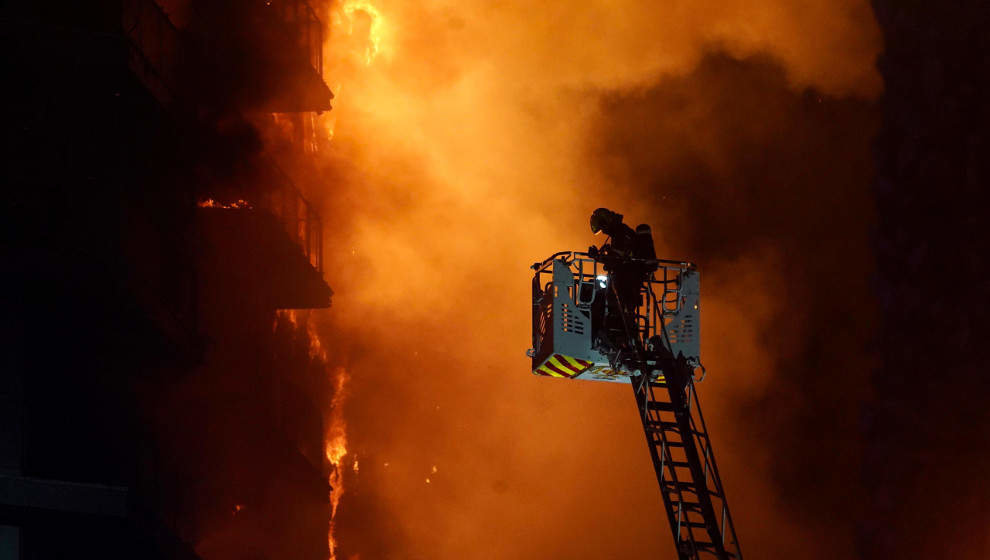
{"points": [[170, 185], [154, 402]]}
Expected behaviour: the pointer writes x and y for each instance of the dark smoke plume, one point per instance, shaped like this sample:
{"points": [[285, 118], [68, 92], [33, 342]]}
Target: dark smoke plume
{"points": [[767, 188]]}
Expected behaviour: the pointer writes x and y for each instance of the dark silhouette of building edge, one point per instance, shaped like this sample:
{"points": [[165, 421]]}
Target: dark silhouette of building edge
{"points": [[153, 403]]}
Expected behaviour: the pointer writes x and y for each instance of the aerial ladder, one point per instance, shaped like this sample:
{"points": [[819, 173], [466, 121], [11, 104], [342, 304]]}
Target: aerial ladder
{"points": [[582, 330]]}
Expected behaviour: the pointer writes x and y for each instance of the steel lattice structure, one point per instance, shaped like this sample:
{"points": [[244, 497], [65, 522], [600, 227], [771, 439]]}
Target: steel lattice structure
{"points": [[658, 353]]}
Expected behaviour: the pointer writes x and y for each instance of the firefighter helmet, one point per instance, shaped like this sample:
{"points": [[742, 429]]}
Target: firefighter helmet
{"points": [[603, 219]]}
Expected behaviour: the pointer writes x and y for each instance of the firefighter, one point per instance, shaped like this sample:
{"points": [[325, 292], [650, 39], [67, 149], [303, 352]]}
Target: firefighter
{"points": [[624, 253], [625, 241], [623, 256], [623, 238]]}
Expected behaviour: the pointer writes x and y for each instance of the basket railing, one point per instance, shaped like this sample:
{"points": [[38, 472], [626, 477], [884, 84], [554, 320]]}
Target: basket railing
{"points": [[659, 297]]}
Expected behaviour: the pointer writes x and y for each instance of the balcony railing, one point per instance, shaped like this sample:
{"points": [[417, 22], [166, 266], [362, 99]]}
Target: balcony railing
{"points": [[301, 222], [304, 27], [156, 48], [160, 59], [293, 212]]}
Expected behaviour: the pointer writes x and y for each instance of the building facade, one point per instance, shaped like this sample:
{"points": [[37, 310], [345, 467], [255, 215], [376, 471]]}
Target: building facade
{"points": [[153, 403]]}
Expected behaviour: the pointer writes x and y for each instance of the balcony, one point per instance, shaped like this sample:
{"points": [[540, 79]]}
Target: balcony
{"points": [[156, 48], [268, 243], [296, 215], [264, 57]]}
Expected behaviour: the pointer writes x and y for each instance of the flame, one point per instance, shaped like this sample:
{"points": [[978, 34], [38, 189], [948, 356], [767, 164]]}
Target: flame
{"points": [[477, 124], [240, 204], [335, 445], [316, 350], [312, 136], [329, 119], [336, 451], [293, 317], [377, 31]]}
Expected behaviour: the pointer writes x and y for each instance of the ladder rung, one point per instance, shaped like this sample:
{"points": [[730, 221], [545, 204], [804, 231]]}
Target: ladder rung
{"points": [[689, 497], [664, 425], [657, 405], [682, 486], [688, 487], [710, 548]]}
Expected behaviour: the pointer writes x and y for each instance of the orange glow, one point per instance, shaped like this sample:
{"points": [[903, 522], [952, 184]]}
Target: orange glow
{"points": [[316, 350], [293, 317], [351, 11], [329, 120], [335, 443], [336, 451], [460, 156], [337, 448], [240, 204]]}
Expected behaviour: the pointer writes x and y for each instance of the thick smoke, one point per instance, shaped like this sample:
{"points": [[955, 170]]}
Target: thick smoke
{"points": [[768, 190], [476, 141]]}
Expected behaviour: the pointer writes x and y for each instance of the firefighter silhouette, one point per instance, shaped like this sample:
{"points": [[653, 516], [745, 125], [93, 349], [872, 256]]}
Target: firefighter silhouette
{"points": [[629, 257]]}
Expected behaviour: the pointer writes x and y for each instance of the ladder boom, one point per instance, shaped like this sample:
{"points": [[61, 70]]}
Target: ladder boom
{"points": [[592, 321], [690, 486]]}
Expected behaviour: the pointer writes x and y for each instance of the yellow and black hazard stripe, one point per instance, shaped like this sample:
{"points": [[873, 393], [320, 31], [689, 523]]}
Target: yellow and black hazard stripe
{"points": [[559, 365]]}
